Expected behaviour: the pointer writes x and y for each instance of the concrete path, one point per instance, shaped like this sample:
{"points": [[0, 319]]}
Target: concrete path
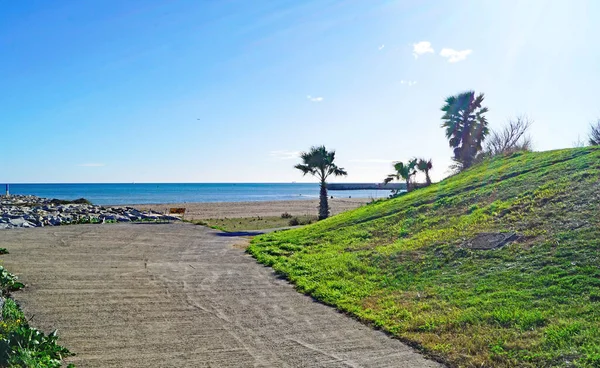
{"points": [[179, 295]]}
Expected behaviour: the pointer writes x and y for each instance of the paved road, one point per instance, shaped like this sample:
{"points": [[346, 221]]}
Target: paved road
{"points": [[179, 295]]}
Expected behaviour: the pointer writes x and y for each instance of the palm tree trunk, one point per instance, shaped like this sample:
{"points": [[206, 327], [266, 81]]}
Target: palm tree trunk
{"points": [[407, 185], [427, 178], [323, 203]]}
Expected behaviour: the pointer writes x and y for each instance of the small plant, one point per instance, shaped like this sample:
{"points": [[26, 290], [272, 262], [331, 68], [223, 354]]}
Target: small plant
{"points": [[8, 281], [3, 251], [286, 215], [294, 221], [29, 347]]}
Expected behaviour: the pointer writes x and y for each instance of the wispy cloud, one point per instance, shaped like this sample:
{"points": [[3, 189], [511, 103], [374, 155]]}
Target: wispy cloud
{"points": [[91, 165], [421, 48], [314, 99], [408, 83], [454, 56], [380, 47], [284, 154], [373, 161]]}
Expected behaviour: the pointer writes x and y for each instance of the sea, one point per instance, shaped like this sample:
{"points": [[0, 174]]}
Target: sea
{"points": [[148, 193]]}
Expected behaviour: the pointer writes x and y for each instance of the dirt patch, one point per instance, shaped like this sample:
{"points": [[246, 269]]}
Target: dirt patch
{"points": [[242, 244], [487, 241]]}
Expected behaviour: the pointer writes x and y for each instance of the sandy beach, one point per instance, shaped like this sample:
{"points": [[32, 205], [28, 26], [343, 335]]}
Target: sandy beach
{"points": [[199, 211]]}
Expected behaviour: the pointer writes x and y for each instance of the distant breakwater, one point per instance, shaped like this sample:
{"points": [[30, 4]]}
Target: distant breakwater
{"points": [[366, 186]]}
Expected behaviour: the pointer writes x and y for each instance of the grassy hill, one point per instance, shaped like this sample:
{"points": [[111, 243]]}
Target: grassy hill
{"points": [[401, 264]]}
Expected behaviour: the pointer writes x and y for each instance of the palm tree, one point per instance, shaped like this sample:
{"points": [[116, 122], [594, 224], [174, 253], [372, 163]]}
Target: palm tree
{"points": [[424, 166], [466, 125], [595, 134], [403, 171], [319, 162]]}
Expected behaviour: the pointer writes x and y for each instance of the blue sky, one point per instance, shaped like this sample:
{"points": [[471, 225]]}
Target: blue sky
{"points": [[230, 91]]}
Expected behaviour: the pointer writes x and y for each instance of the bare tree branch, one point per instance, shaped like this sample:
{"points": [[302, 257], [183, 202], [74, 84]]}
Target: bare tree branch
{"points": [[594, 137], [510, 139]]}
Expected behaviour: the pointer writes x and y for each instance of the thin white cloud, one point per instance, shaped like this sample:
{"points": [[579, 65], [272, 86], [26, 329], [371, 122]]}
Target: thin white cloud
{"points": [[380, 47], [408, 83], [314, 99], [454, 56], [373, 161], [91, 165], [284, 154], [421, 48]]}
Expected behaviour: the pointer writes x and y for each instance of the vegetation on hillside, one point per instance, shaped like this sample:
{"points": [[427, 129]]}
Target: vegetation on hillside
{"points": [[319, 163], [466, 126], [403, 172], [594, 138], [425, 167], [511, 138], [402, 265]]}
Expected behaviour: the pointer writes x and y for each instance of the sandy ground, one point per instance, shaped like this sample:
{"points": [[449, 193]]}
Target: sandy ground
{"points": [[253, 209], [180, 295]]}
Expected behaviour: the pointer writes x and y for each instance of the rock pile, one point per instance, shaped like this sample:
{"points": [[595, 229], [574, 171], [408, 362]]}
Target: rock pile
{"points": [[31, 211]]}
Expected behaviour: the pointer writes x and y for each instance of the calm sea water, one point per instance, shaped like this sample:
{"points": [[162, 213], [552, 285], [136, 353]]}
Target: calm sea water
{"points": [[145, 193]]}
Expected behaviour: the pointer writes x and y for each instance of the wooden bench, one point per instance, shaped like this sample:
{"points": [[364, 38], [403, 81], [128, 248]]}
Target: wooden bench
{"points": [[177, 211]]}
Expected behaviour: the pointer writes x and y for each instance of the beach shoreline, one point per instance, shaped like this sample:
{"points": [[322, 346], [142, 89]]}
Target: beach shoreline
{"points": [[216, 210]]}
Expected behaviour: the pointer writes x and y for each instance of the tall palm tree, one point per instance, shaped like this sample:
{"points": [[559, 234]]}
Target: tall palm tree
{"points": [[403, 171], [466, 125], [319, 163], [424, 166]]}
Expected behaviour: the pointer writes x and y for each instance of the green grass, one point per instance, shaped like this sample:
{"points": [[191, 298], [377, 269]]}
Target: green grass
{"points": [[20, 344], [399, 264], [253, 223]]}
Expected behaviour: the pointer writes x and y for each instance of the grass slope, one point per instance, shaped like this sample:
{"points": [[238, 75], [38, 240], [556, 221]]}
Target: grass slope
{"points": [[399, 264]]}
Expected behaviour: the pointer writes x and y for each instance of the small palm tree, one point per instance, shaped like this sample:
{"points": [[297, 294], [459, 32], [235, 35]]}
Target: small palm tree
{"points": [[466, 125], [319, 163], [403, 171], [425, 166]]}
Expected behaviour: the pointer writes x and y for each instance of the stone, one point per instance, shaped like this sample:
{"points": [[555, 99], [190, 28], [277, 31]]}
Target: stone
{"points": [[19, 211], [18, 221]]}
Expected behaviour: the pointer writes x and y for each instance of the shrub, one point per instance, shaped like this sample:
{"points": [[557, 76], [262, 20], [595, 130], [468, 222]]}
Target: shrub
{"points": [[29, 347], [294, 221], [594, 137], [286, 215], [8, 281], [512, 138]]}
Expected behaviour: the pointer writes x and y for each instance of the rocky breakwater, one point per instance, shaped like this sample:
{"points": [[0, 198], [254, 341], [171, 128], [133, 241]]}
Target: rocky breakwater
{"points": [[19, 211]]}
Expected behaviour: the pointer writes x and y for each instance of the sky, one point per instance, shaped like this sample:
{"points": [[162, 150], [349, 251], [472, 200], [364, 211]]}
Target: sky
{"points": [[231, 91]]}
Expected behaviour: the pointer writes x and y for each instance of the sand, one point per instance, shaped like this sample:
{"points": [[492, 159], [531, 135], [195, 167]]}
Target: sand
{"points": [[252, 209]]}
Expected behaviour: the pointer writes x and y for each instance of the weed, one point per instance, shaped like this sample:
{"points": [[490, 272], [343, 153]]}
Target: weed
{"points": [[8, 281]]}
